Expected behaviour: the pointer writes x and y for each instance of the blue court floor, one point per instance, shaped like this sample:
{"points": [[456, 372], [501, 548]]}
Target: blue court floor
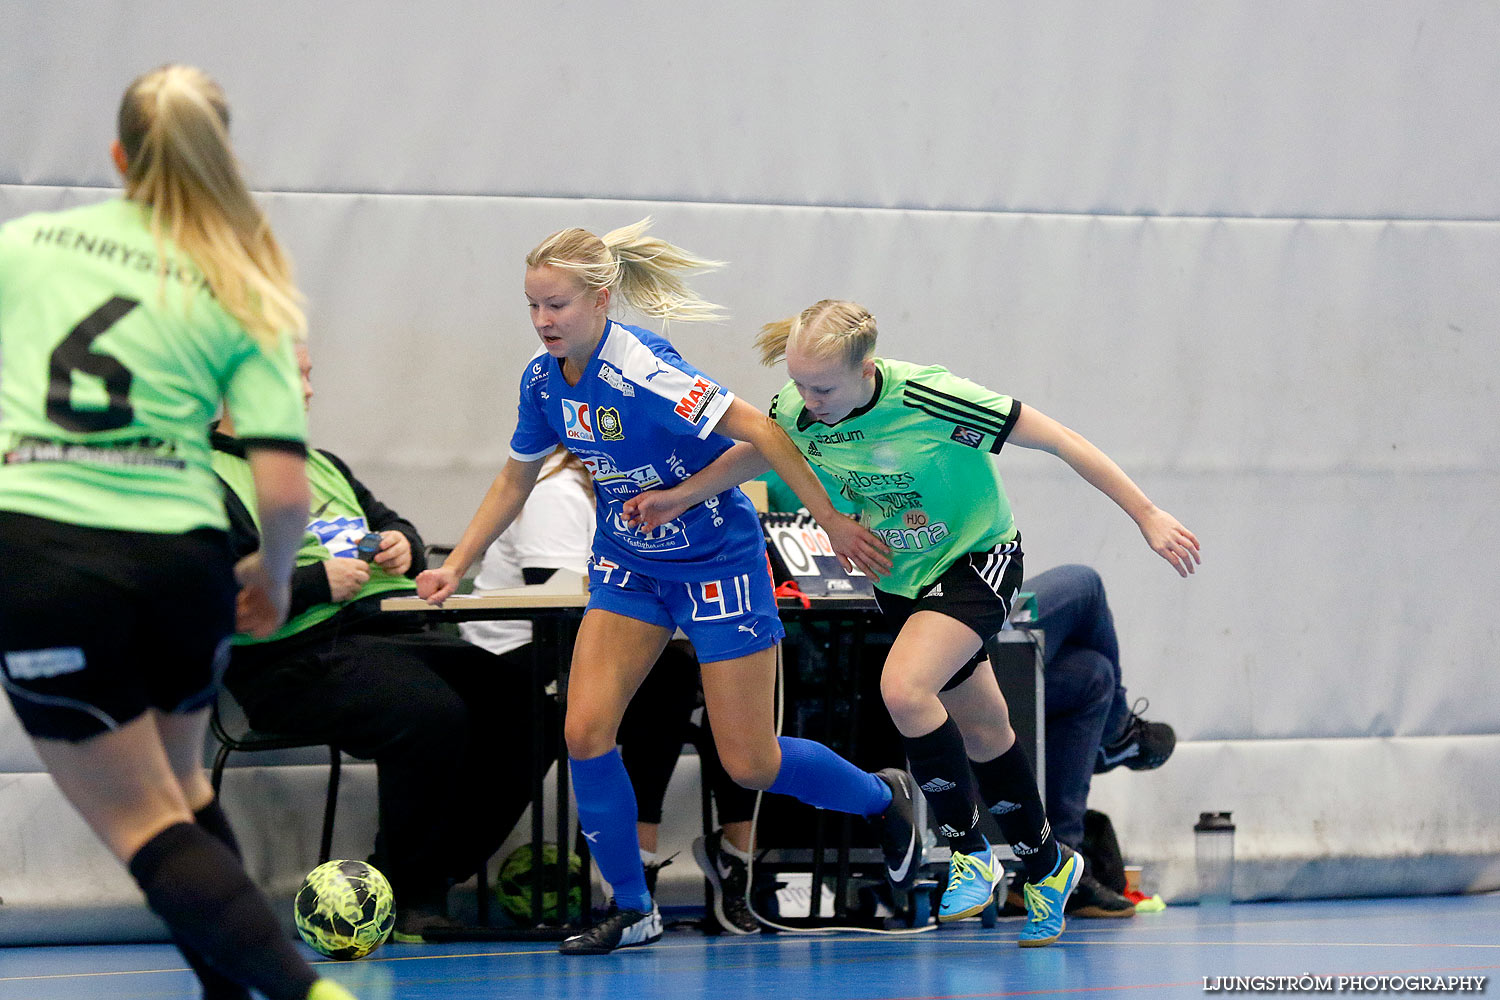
{"points": [[1152, 955]]}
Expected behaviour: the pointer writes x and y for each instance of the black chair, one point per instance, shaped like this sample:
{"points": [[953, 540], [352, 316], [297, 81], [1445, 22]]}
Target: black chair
{"points": [[233, 731]]}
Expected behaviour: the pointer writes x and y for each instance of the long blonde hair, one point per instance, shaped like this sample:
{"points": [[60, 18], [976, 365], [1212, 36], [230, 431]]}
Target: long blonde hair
{"points": [[174, 129], [562, 460], [643, 270], [830, 328]]}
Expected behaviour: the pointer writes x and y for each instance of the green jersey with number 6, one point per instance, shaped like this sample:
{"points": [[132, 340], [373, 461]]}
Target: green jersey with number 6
{"points": [[113, 360], [916, 462]]}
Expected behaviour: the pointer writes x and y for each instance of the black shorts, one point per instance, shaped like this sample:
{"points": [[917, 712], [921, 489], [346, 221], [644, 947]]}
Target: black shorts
{"points": [[977, 590], [96, 626]]}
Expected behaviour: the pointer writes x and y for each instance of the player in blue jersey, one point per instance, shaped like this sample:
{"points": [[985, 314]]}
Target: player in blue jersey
{"points": [[625, 402]]}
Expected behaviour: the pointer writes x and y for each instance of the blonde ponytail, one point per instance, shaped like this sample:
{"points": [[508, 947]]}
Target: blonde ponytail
{"points": [[174, 128], [831, 328], [643, 270]]}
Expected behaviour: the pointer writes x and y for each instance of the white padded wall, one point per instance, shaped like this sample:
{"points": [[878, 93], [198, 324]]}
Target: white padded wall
{"points": [[1249, 251]]}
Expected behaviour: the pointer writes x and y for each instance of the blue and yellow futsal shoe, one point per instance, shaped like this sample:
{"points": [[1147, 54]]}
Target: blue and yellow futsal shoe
{"points": [[1046, 899], [972, 881]]}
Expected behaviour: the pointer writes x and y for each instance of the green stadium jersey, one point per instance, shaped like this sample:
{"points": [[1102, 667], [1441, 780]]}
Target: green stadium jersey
{"points": [[916, 460], [336, 522], [113, 360]]}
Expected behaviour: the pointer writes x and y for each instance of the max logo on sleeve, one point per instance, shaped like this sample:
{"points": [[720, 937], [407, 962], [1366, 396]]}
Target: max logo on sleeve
{"points": [[691, 406], [578, 422]]}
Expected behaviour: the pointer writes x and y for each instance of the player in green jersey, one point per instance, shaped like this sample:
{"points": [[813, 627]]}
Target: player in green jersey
{"points": [[910, 446], [123, 326]]}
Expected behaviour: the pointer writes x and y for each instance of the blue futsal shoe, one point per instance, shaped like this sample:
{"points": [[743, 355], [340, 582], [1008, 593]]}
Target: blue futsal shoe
{"points": [[972, 881], [1046, 899]]}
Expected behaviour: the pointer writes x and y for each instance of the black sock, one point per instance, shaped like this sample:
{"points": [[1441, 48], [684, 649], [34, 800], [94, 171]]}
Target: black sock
{"points": [[194, 883], [1008, 785], [216, 985], [941, 767], [211, 817]]}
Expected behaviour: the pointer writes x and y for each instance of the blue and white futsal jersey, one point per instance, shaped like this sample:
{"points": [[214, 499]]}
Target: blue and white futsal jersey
{"points": [[642, 418]]}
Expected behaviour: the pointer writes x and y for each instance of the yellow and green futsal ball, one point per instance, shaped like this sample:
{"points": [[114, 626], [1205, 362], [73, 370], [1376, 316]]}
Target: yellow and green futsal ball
{"points": [[519, 870], [345, 909]]}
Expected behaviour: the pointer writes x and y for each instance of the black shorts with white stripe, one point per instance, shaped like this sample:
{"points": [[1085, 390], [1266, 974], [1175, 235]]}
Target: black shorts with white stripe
{"points": [[977, 590], [98, 625]]}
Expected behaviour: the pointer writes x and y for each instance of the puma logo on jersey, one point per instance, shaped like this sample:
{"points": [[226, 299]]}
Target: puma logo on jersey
{"points": [[750, 629]]}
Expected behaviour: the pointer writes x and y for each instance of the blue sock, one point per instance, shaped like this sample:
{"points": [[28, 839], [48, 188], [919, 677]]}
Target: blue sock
{"points": [[818, 776], [606, 815]]}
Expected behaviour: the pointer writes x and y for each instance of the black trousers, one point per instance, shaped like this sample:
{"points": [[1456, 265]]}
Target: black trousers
{"points": [[447, 723]]}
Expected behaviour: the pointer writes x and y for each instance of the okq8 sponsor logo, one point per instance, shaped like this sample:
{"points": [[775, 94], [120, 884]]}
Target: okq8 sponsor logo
{"points": [[578, 421]]}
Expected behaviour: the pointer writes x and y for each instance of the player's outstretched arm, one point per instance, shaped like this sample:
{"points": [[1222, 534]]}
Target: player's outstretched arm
{"points": [[1163, 532], [504, 500], [854, 544]]}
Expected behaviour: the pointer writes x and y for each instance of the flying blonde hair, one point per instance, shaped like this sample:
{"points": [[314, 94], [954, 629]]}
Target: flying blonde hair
{"points": [[642, 269], [830, 328], [174, 128]]}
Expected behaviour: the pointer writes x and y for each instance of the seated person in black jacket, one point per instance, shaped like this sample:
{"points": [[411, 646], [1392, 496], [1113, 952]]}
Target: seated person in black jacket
{"points": [[383, 686]]}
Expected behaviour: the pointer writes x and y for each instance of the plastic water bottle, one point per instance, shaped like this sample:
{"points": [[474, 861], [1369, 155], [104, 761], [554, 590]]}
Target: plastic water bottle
{"points": [[1214, 839]]}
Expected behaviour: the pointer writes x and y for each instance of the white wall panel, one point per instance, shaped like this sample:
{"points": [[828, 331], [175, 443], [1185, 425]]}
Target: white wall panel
{"points": [[1363, 817], [1326, 109]]}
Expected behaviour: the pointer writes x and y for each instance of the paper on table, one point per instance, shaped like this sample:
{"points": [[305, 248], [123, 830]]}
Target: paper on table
{"points": [[563, 581]]}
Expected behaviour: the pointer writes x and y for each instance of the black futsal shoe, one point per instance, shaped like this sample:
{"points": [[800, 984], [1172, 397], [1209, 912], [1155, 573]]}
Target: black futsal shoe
{"points": [[1143, 746], [1092, 898], [728, 877], [619, 929], [901, 828]]}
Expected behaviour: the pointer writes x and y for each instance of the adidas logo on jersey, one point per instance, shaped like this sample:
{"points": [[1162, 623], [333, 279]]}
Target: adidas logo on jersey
{"points": [[936, 591], [938, 785]]}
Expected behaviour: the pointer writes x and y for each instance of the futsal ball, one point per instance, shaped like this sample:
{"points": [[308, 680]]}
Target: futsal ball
{"points": [[513, 891], [345, 909]]}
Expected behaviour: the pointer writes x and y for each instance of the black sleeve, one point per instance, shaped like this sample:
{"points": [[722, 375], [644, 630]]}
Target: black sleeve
{"points": [[381, 517], [244, 538], [309, 588]]}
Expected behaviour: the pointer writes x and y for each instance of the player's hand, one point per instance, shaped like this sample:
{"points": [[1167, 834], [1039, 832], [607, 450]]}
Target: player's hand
{"points": [[858, 546], [436, 585], [345, 577], [645, 512], [1170, 540], [261, 604], [395, 553]]}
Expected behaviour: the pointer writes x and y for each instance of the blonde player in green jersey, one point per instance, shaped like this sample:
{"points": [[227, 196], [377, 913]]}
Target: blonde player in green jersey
{"points": [[123, 326], [911, 447]]}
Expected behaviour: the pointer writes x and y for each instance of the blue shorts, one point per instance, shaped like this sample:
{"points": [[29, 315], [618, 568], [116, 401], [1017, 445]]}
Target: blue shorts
{"points": [[723, 619]]}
